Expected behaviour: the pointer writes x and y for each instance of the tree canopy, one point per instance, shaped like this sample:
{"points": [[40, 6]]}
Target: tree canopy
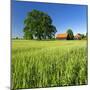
{"points": [[70, 34], [38, 25]]}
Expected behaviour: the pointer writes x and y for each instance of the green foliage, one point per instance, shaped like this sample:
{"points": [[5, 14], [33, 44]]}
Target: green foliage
{"points": [[48, 63], [70, 34], [27, 33], [38, 25], [17, 38], [82, 36]]}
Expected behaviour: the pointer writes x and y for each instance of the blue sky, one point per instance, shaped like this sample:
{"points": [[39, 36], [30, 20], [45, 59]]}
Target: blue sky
{"points": [[64, 16]]}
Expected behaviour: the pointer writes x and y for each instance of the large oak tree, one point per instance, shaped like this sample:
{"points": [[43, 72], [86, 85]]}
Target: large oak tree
{"points": [[38, 25]]}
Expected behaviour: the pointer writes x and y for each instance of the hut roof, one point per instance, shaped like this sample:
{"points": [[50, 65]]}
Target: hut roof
{"points": [[63, 35]]}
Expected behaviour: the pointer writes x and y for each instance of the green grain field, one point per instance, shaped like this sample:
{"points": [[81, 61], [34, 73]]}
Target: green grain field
{"points": [[48, 63]]}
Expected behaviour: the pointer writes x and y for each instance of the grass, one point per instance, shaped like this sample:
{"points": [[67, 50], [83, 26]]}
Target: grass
{"points": [[48, 63]]}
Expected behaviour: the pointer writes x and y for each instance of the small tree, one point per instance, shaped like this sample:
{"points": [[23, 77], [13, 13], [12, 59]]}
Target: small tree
{"points": [[82, 36], [17, 38], [70, 34]]}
